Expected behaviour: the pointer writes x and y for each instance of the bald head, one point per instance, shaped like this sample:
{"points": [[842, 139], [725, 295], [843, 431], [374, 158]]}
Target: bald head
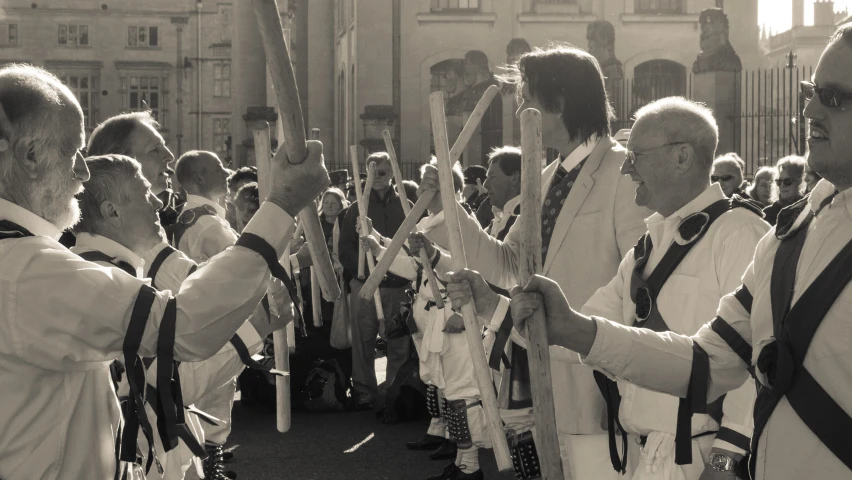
{"points": [[680, 120], [201, 173], [41, 133]]}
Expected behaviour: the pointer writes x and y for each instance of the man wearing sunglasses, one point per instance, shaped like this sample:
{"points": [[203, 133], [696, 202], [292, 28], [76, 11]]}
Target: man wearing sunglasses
{"points": [[792, 316], [385, 211], [728, 173], [791, 185]]}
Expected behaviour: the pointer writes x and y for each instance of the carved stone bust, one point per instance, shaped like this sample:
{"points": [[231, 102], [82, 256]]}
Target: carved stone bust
{"points": [[601, 37], [717, 54]]}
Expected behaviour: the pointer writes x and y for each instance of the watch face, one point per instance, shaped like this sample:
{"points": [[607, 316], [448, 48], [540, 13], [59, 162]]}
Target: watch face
{"points": [[721, 462]]}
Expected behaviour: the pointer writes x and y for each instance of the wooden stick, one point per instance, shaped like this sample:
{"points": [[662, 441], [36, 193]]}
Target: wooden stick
{"points": [[546, 436], [263, 160], [362, 215], [472, 326], [316, 304], [293, 127], [406, 209], [461, 142]]}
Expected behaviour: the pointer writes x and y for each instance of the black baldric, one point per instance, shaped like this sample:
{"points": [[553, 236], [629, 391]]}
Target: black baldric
{"points": [[782, 361], [187, 218]]}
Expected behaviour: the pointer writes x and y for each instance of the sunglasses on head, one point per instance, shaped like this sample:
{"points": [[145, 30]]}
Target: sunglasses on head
{"points": [[784, 181], [723, 178], [827, 96]]}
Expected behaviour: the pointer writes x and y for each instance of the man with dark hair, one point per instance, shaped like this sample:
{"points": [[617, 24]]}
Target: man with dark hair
{"points": [[503, 184], [589, 222], [473, 194], [385, 211], [65, 320], [787, 325], [243, 176]]}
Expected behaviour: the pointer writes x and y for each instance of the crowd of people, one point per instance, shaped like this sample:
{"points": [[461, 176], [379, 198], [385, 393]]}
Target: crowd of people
{"points": [[681, 301]]}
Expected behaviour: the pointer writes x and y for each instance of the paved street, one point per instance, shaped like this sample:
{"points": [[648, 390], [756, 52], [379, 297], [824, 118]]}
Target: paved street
{"points": [[330, 446]]}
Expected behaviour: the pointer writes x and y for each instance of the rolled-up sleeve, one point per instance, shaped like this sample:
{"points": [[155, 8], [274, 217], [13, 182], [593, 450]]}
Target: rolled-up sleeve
{"points": [[63, 313]]}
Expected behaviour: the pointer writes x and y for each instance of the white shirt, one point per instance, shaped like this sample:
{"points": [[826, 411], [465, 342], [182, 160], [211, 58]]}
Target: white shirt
{"points": [[64, 321], [686, 301], [580, 153], [196, 378], [502, 216], [209, 235], [787, 448]]}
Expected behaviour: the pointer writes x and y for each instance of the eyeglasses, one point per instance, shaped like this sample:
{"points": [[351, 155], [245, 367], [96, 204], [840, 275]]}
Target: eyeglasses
{"points": [[381, 173], [784, 181], [723, 178], [828, 97], [631, 155]]}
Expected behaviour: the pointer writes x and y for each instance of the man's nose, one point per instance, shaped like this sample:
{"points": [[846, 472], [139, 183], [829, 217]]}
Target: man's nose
{"points": [[626, 167], [168, 156], [81, 170], [158, 204]]}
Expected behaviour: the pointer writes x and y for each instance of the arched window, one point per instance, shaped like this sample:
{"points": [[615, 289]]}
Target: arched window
{"points": [[656, 79]]}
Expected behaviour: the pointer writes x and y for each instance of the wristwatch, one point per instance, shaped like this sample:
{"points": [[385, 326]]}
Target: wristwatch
{"points": [[722, 463]]}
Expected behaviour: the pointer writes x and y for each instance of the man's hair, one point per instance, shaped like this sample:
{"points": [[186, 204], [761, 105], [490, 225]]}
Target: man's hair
{"points": [[30, 99], [187, 165], [241, 175], [731, 158], [570, 75], [410, 187], [507, 158], [477, 57], [247, 197], [794, 165], [108, 178], [474, 173], [844, 33], [378, 157], [458, 176], [112, 136], [683, 120]]}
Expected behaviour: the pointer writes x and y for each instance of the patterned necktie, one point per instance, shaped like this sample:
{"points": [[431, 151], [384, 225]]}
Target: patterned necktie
{"points": [[560, 187]]}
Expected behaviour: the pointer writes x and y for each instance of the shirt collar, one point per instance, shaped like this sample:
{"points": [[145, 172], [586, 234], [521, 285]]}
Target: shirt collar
{"points": [[710, 195], [511, 205], [90, 241], [193, 201], [574, 158], [27, 219]]}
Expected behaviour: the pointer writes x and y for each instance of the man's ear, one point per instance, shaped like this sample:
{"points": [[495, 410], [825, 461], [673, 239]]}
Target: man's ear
{"points": [[686, 158], [110, 213], [25, 155], [516, 180]]}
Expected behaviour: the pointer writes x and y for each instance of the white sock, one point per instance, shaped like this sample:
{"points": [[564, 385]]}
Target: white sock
{"points": [[437, 427], [468, 459]]}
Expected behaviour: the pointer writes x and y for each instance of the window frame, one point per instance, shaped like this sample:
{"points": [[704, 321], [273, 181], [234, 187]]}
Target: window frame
{"points": [[222, 84], [78, 28], [139, 36], [220, 137], [679, 9], [127, 89], [92, 105], [456, 9], [6, 40]]}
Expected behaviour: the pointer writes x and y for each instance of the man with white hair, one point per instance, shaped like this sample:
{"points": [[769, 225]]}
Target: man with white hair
{"points": [[118, 213], [65, 320], [728, 173], [788, 325]]}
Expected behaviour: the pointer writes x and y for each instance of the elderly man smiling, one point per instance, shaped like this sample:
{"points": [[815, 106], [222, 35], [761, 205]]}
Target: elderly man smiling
{"points": [[65, 320]]}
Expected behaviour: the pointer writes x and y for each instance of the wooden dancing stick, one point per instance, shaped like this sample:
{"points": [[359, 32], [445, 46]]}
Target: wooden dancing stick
{"points": [[406, 209], [362, 216], [472, 327], [408, 224], [316, 304], [293, 127], [263, 160], [546, 437]]}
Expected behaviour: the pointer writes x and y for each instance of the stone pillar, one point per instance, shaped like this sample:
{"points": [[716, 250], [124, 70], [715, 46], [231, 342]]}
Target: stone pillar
{"points": [[248, 75], [720, 92]]}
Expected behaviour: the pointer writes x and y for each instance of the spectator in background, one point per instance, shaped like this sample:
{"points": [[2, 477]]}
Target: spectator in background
{"points": [[339, 179], [410, 187], [332, 207], [474, 194], [245, 202], [791, 185], [763, 189], [811, 178], [728, 173], [236, 180]]}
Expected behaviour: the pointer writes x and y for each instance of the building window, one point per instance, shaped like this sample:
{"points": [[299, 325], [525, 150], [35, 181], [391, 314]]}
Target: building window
{"points": [[658, 6], [8, 34], [656, 79], [455, 5], [142, 36], [145, 91], [222, 79], [221, 138], [73, 35], [84, 85]]}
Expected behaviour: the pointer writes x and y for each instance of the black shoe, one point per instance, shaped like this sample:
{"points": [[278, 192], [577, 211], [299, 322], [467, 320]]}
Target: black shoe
{"points": [[446, 451], [231, 474], [460, 475], [428, 442], [212, 466], [227, 456], [448, 473]]}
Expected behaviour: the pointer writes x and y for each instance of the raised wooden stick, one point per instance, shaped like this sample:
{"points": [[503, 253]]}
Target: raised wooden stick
{"points": [[263, 160], [472, 326], [290, 112], [362, 216], [402, 234], [546, 436], [316, 304], [406, 209]]}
